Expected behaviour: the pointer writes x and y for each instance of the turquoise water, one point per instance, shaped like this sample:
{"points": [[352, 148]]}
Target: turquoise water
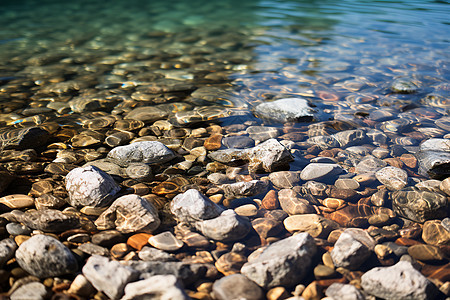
{"points": [[335, 53]]}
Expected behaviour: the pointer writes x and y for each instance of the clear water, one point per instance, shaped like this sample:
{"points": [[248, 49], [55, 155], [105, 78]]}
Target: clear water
{"points": [[341, 55]]}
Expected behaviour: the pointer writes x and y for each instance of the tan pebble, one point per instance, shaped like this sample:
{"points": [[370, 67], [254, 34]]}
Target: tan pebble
{"points": [[445, 288], [434, 233], [378, 220], [312, 292], [120, 250], [20, 239], [198, 151], [216, 198], [382, 251], [92, 211], [131, 256], [277, 293], [334, 235], [322, 271], [17, 201], [333, 203], [81, 286], [204, 287], [298, 290], [327, 260], [246, 210]]}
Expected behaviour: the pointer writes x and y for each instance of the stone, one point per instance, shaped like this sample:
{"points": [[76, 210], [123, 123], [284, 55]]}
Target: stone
{"points": [[269, 156], [434, 164], [17, 201], [108, 276], [434, 233], [90, 186], [108, 238], [140, 172], [284, 179], [277, 293], [262, 133], [230, 263], [291, 203], [44, 256], [316, 225], [344, 292], [93, 249], [153, 254], [400, 281], [419, 206], [246, 210], [165, 241], [347, 183], [147, 114], [324, 141], [445, 186], [192, 206], [47, 220], [158, 287], [393, 178], [129, 213], [214, 142], [138, 240], [148, 152], [270, 200], [348, 138], [369, 164], [245, 188], [286, 110], [81, 286], [322, 271], [236, 286], [24, 138], [17, 229], [238, 141], [227, 227], [425, 252], [320, 172], [283, 263], [352, 248], [32, 290], [7, 250], [266, 227]]}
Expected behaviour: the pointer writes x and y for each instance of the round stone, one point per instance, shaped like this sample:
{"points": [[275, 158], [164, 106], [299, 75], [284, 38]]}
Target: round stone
{"points": [[434, 233], [347, 183], [165, 241], [393, 178], [320, 172], [321, 271]]}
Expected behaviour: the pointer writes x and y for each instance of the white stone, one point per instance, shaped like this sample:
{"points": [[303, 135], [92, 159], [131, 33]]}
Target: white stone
{"points": [[158, 287]]}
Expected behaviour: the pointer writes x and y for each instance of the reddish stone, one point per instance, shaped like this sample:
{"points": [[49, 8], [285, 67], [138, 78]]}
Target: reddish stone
{"points": [[327, 282], [270, 200], [214, 142], [407, 242], [409, 160], [395, 162], [138, 240]]}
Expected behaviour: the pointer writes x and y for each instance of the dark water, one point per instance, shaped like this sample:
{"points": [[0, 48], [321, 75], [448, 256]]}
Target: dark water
{"points": [[341, 55]]}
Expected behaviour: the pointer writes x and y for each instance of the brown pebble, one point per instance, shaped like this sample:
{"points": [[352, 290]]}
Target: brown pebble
{"points": [[379, 220], [425, 252], [270, 200], [17, 201], [230, 263], [139, 240], [322, 271], [395, 162], [277, 293], [313, 291], [409, 160], [214, 142], [412, 232], [120, 250], [434, 233]]}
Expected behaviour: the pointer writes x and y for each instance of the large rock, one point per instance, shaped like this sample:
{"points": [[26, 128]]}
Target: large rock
{"points": [[400, 281], [245, 188], [25, 138], [107, 276], [237, 286], [286, 110], [90, 186], [32, 290], [269, 156], [352, 249], [419, 206], [435, 164], [158, 287], [393, 178], [47, 220], [284, 263], [44, 256], [149, 152], [321, 172], [192, 206], [7, 249], [129, 213]]}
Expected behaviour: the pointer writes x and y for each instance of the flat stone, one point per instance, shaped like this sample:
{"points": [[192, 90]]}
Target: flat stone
{"points": [[393, 178], [230, 263], [44, 256], [90, 186], [108, 238], [369, 164], [283, 263], [347, 183], [267, 227], [81, 286], [324, 141], [156, 287], [400, 281], [284, 179], [445, 186], [236, 286], [246, 210], [24, 138], [7, 250], [32, 290], [149, 152], [47, 220], [352, 248], [165, 241], [138, 240], [93, 249], [434, 233], [291, 203], [129, 213], [419, 206], [153, 254], [317, 226], [348, 138], [261, 133], [245, 188], [239, 142], [270, 200], [17, 229], [425, 252], [107, 276], [147, 114], [214, 142], [286, 110], [320, 172], [344, 291], [17, 201]]}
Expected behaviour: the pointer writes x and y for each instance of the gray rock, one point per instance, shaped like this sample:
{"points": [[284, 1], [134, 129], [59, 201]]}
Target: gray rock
{"points": [[147, 114], [369, 164], [236, 286], [149, 152], [377, 136], [348, 138], [393, 178], [153, 254], [435, 164], [269, 156], [400, 281], [286, 110], [31, 291], [344, 292], [285, 179], [291, 203], [226, 156], [218, 178], [227, 227], [47, 220], [7, 249], [44, 256], [284, 263], [140, 172], [90, 186], [435, 145], [262, 133], [93, 249], [192, 206], [106, 166], [108, 276], [321, 172], [419, 206], [187, 273], [238, 141], [245, 188], [129, 213], [158, 287], [324, 141], [352, 249], [17, 229]]}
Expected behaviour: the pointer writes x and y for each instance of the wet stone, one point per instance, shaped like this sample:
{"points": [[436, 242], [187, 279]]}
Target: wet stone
{"points": [[434, 164], [316, 225], [369, 164], [270, 200], [286, 110], [292, 204], [226, 227], [320, 172], [17, 229], [141, 152], [214, 142], [27, 138], [393, 178], [230, 263], [425, 253], [49, 201], [284, 179], [268, 156], [235, 286], [434, 233], [266, 227], [238, 141], [324, 142], [165, 241], [245, 188], [138, 240], [44, 256], [262, 133], [347, 183], [119, 138], [139, 171]]}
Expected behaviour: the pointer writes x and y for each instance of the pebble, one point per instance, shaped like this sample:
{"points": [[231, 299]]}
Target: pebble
{"points": [[400, 281], [425, 253], [284, 179], [269, 156], [157, 287], [347, 183], [320, 172], [17, 201], [283, 263], [153, 254], [165, 241], [17, 229], [291, 203], [230, 263], [32, 290], [44, 256], [286, 110], [236, 286], [81, 286], [239, 141], [149, 152], [245, 188], [93, 249], [246, 210], [7, 250], [270, 200], [392, 177], [316, 225], [262, 133], [344, 291], [434, 233]]}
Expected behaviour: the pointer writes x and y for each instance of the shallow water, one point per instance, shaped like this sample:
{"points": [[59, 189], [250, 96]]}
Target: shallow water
{"points": [[341, 55]]}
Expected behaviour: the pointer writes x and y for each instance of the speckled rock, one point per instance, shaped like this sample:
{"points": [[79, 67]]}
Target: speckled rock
{"points": [[344, 292], [269, 156], [32, 290], [400, 281], [149, 152], [284, 263], [158, 287], [393, 178], [108, 276], [47, 220], [90, 186], [44, 256], [236, 286], [129, 213], [226, 227], [245, 188], [7, 250]]}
